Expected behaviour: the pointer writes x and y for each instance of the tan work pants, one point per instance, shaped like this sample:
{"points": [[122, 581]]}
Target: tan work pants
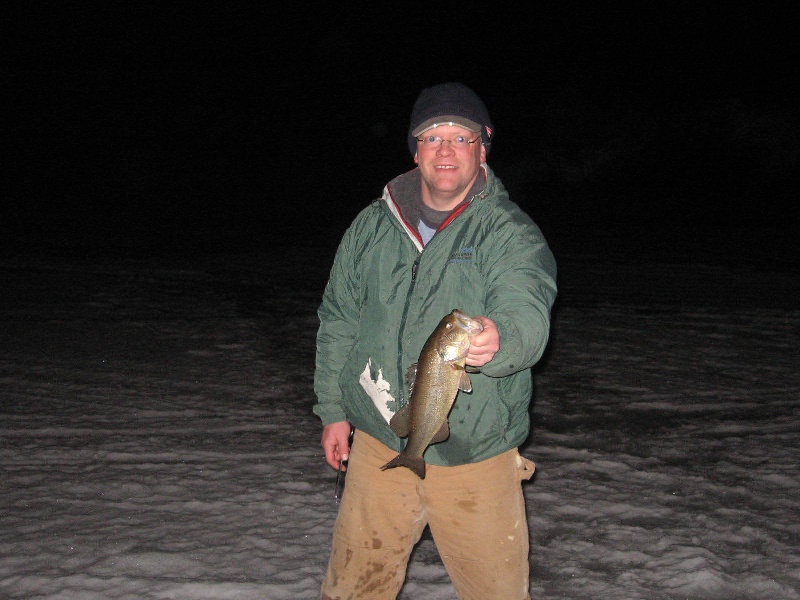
{"points": [[476, 514]]}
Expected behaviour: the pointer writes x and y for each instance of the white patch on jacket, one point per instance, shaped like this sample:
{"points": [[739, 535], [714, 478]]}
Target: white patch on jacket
{"points": [[378, 390]]}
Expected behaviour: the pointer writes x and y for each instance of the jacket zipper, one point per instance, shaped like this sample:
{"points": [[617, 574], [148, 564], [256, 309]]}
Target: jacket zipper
{"points": [[401, 392]]}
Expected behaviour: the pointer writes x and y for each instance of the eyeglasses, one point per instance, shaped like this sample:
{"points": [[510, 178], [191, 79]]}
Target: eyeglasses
{"points": [[434, 141]]}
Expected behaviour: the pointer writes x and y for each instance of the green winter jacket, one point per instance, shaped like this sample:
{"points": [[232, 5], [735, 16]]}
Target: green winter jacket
{"points": [[386, 294]]}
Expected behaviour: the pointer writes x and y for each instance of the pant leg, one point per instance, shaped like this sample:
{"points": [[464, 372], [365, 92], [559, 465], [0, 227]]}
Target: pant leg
{"points": [[380, 520], [477, 517]]}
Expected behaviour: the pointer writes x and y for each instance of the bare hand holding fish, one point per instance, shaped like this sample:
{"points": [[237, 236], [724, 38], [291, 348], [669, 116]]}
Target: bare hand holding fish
{"points": [[437, 377], [484, 345]]}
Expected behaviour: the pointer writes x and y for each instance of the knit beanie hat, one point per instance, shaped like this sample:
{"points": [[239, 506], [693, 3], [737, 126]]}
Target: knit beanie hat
{"points": [[449, 103]]}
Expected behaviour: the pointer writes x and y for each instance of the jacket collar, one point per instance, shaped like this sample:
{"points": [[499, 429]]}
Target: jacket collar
{"points": [[403, 195]]}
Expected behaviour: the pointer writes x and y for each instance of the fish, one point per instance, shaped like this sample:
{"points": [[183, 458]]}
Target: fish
{"points": [[435, 380]]}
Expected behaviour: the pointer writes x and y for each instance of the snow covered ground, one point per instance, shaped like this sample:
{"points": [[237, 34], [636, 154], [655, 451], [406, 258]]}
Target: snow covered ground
{"points": [[158, 440]]}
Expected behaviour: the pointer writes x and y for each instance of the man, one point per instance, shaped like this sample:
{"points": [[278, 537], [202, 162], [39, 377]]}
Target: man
{"points": [[444, 236]]}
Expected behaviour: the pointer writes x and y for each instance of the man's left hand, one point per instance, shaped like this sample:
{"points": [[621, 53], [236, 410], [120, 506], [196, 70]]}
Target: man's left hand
{"points": [[485, 345]]}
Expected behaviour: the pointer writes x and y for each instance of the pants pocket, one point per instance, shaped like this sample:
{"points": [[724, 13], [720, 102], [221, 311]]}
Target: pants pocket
{"points": [[525, 468]]}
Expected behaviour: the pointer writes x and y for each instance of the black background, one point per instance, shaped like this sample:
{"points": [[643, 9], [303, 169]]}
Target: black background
{"points": [[629, 131]]}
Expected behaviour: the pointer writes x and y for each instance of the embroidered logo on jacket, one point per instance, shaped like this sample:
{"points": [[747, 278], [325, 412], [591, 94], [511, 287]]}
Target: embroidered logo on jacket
{"points": [[464, 255]]}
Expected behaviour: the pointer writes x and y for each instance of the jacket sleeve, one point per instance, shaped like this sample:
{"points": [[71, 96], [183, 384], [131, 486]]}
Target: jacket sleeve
{"points": [[520, 292], [338, 315]]}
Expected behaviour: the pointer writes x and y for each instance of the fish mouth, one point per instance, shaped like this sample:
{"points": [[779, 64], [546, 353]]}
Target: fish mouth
{"points": [[468, 324]]}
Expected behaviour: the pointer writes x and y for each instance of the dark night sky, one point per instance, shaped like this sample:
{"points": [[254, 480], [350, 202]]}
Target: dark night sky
{"points": [[192, 127]]}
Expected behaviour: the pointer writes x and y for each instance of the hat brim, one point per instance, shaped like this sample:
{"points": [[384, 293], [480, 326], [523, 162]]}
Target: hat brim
{"points": [[446, 120]]}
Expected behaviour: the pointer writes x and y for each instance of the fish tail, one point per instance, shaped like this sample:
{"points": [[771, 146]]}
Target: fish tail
{"points": [[414, 463]]}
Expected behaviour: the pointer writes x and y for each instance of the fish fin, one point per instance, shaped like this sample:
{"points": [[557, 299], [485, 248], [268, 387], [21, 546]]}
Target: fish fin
{"points": [[401, 421], [442, 434], [414, 463], [465, 384], [411, 377]]}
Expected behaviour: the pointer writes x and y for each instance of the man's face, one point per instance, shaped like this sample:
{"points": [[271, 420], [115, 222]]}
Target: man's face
{"points": [[448, 171]]}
